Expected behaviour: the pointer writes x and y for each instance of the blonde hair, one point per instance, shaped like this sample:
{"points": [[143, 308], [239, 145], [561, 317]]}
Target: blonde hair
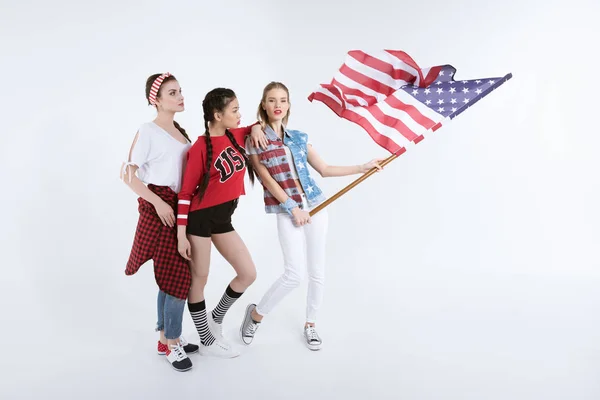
{"points": [[261, 114]]}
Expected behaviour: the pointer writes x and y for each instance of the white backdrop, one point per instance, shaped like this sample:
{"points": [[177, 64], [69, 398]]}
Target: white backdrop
{"points": [[468, 269]]}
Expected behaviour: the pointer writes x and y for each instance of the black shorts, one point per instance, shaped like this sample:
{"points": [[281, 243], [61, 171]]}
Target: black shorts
{"points": [[212, 220]]}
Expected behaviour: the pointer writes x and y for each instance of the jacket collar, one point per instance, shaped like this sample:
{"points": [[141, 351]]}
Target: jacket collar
{"points": [[273, 136]]}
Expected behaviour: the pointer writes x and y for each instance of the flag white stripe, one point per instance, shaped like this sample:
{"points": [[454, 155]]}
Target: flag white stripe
{"points": [[422, 108], [360, 100], [410, 123], [396, 62], [392, 133], [387, 58], [375, 74], [344, 80], [328, 93]]}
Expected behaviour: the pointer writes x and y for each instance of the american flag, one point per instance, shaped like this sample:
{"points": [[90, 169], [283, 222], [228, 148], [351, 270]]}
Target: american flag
{"points": [[395, 100]]}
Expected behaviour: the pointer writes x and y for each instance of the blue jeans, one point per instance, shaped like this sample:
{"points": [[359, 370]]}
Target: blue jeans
{"points": [[170, 315]]}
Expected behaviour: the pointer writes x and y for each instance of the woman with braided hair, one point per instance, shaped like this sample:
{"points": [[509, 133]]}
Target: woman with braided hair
{"points": [[153, 171], [212, 184]]}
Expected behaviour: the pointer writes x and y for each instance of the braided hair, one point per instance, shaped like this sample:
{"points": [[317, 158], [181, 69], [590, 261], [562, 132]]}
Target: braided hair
{"points": [[149, 83], [215, 101]]}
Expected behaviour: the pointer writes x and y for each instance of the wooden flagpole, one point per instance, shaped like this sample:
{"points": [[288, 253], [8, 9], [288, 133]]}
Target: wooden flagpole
{"points": [[352, 185]]}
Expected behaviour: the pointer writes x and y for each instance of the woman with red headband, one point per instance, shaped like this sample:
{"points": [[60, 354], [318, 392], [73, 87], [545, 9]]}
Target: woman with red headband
{"points": [[153, 171]]}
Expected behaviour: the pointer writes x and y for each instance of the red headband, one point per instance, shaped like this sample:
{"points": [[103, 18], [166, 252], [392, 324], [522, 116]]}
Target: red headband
{"points": [[156, 86]]}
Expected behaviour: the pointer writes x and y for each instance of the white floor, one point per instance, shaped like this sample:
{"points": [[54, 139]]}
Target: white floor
{"points": [[429, 335]]}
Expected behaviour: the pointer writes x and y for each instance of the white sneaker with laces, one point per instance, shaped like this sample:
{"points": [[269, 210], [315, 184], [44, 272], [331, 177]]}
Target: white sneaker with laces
{"points": [[215, 328], [178, 359], [249, 326], [219, 349], [312, 339]]}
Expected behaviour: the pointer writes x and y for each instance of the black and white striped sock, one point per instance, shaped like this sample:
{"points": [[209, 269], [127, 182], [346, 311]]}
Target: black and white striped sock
{"points": [[229, 297], [198, 312]]}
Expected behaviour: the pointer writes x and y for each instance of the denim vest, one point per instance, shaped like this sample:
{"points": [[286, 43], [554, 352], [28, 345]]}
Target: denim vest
{"points": [[274, 159]]}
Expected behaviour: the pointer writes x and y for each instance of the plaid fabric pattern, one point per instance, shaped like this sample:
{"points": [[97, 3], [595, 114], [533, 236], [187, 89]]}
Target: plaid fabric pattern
{"points": [[157, 242]]}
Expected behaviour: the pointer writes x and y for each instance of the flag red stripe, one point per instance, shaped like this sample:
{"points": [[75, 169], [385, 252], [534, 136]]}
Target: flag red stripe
{"points": [[380, 139], [411, 110], [392, 122], [354, 102], [433, 74], [382, 66], [405, 58], [328, 101], [334, 91], [355, 92], [366, 81]]}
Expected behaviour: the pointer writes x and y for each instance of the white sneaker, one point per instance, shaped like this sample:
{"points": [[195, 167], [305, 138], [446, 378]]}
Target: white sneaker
{"points": [[249, 326], [219, 349], [215, 328], [178, 359], [312, 339]]}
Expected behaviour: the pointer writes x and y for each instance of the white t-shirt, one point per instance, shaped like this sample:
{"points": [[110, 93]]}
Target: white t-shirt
{"points": [[292, 164], [159, 156]]}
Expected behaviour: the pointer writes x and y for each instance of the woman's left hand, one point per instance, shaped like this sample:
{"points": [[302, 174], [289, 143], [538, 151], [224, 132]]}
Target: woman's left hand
{"points": [[376, 163]]}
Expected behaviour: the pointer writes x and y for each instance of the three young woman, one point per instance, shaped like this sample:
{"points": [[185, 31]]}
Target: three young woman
{"points": [[205, 201], [290, 193]]}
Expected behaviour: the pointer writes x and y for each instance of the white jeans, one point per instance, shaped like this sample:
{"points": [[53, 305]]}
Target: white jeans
{"points": [[293, 240]]}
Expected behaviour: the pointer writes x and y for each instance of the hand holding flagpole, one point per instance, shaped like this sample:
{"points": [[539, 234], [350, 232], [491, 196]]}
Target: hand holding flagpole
{"points": [[352, 185]]}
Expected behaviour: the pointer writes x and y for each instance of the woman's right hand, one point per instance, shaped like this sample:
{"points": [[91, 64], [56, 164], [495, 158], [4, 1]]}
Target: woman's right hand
{"points": [[165, 213], [301, 217], [184, 248], [259, 139]]}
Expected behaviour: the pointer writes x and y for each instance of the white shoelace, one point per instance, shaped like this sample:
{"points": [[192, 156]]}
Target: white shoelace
{"points": [[251, 329], [222, 345], [179, 352], [311, 334]]}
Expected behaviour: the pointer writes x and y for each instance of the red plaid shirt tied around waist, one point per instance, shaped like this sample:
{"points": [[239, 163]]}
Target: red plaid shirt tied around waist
{"points": [[157, 242]]}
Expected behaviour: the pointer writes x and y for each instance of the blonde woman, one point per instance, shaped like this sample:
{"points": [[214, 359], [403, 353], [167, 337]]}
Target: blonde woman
{"points": [[290, 192]]}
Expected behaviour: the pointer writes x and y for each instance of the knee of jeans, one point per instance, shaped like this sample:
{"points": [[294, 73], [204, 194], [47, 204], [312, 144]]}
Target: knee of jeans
{"points": [[291, 278], [318, 277]]}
